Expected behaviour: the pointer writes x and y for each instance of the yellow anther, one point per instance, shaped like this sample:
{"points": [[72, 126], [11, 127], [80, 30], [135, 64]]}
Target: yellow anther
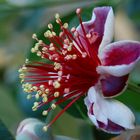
{"points": [[65, 25], [20, 70], [53, 106], [40, 42], [34, 88], [45, 128], [57, 66], [56, 84], [27, 61], [44, 99], [39, 53], [58, 20], [68, 57], [42, 87], [50, 26], [36, 104], [56, 94], [22, 75], [52, 48], [24, 68], [39, 92], [44, 49], [53, 34], [44, 95], [34, 108], [37, 96], [22, 81], [34, 36], [48, 33], [69, 48], [44, 113], [33, 50], [46, 90], [29, 96], [36, 46], [57, 16], [25, 90], [51, 45]]}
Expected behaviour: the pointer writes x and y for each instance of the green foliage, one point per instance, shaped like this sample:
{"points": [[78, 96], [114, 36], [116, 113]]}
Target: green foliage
{"points": [[4, 133]]}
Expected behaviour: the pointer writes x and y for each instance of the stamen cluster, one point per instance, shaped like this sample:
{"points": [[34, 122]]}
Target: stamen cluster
{"points": [[70, 73]]}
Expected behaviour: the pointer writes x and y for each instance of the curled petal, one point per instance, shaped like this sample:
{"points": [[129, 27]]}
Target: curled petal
{"points": [[119, 58], [112, 86], [109, 115], [101, 23]]}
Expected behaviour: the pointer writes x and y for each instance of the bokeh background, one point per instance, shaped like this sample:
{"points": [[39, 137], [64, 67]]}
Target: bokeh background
{"points": [[19, 19]]}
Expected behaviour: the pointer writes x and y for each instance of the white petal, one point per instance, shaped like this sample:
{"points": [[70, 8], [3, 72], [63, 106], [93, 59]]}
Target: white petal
{"points": [[28, 125], [117, 70], [119, 114], [108, 31], [108, 109]]}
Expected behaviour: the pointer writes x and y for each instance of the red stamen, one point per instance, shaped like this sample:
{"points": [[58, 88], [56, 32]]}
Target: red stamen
{"points": [[58, 115], [72, 70]]}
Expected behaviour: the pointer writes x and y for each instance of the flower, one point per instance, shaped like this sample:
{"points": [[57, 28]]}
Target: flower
{"points": [[29, 129], [81, 61]]}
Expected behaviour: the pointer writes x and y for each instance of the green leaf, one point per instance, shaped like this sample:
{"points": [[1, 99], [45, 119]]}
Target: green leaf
{"points": [[78, 109], [4, 133], [131, 99], [86, 132]]}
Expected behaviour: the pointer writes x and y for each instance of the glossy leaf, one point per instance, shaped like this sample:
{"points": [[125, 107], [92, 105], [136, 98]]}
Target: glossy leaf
{"points": [[4, 133]]}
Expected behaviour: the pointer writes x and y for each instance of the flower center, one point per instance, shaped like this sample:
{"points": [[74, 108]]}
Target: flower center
{"points": [[70, 72]]}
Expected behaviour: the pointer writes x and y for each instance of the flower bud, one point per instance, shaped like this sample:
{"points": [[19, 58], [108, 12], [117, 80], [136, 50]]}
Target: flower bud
{"points": [[31, 129]]}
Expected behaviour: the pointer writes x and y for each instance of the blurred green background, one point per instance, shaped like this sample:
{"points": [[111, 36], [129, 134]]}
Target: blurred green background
{"points": [[19, 19]]}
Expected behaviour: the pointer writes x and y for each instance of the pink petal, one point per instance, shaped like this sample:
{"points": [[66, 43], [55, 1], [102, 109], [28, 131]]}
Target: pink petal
{"points": [[119, 58], [111, 127], [109, 115], [111, 85], [101, 23]]}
